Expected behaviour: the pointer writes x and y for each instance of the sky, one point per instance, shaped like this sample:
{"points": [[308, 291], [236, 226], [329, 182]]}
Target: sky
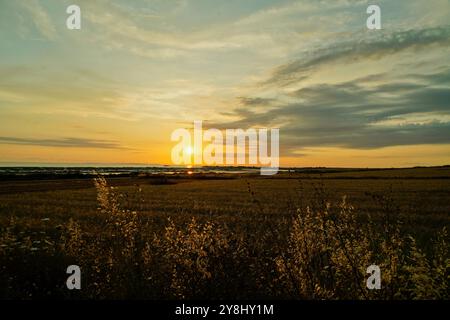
{"points": [[342, 95]]}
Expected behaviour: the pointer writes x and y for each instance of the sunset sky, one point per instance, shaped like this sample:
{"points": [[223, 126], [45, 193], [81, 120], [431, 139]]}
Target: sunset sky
{"points": [[113, 92]]}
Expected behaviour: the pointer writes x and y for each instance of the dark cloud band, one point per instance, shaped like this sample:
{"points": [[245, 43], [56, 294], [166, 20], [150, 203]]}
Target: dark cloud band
{"points": [[64, 142]]}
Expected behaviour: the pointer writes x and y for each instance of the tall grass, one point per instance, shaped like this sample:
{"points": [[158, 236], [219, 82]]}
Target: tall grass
{"points": [[329, 251], [321, 252]]}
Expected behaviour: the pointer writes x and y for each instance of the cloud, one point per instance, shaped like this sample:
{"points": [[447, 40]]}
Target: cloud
{"points": [[301, 7], [63, 142], [362, 47], [76, 91], [358, 114], [248, 101], [167, 32], [40, 18]]}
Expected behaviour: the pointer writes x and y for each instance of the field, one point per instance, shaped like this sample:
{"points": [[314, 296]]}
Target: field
{"points": [[308, 234]]}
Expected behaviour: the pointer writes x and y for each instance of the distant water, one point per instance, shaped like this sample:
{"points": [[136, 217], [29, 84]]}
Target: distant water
{"points": [[126, 170]]}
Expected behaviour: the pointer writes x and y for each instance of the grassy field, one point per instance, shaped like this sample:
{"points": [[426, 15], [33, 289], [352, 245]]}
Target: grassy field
{"points": [[309, 234]]}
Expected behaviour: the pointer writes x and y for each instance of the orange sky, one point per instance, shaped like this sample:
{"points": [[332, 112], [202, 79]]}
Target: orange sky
{"points": [[113, 92]]}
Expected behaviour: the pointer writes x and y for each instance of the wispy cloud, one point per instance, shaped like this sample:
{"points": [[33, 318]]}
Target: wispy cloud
{"points": [[40, 18], [64, 143], [363, 47]]}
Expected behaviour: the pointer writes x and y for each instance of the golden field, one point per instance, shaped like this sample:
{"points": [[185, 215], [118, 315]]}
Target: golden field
{"points": [[304, 235]]}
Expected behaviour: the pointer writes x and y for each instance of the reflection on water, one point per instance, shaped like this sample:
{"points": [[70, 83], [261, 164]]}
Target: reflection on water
{"points": [[125, 171]]}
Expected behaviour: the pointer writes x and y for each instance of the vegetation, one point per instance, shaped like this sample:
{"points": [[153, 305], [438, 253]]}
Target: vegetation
{"points": [[302, 244]]}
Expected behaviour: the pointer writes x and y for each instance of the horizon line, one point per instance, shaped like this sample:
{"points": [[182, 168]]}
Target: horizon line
{"points": [[12, 164]]}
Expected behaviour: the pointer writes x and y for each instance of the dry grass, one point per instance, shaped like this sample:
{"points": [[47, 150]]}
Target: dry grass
{"points": [[318, 248], [330, 250]]}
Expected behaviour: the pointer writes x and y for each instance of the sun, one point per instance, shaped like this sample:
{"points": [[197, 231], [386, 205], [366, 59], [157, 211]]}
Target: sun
{"points": [[189, 150]]}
